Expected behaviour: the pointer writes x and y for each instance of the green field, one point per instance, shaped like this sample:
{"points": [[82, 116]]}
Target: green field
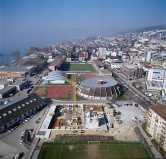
{"points": [[93, 151], [78, 67]]}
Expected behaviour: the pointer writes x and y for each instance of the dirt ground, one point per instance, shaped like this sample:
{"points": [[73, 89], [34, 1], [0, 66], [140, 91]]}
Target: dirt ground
{"points": [[95, 153]]}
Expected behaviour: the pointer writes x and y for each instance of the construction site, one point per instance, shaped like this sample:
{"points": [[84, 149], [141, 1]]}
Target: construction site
{"points": [[90, 119]]}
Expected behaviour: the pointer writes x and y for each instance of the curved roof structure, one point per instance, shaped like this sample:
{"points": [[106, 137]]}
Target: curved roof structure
{"points": [[99, 88]]}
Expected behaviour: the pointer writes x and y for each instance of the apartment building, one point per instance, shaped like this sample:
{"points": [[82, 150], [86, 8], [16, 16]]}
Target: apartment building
{"points": [[156, 125], [131, 71]]}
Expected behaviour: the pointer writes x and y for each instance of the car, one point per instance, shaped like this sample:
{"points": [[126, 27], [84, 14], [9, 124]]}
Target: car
{"points": [[22, 137], [10, 95]]}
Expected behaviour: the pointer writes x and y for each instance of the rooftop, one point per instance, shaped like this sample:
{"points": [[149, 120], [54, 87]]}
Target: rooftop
{"points": [[98, 63], [57, 62], [33, 62], [14, 68], [108, 82], [160, 110]]}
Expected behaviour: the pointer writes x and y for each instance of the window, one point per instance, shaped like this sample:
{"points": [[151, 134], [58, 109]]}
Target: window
{"points": [[14, 109], [27, 103], [0, 117], [9, 112], [19, 107], [4, 114], [23, 105]]}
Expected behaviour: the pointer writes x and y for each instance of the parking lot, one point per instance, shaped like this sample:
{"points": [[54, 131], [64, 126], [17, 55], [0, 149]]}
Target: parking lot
{"points": [[32, 81], [13, 138], [125, 130]]}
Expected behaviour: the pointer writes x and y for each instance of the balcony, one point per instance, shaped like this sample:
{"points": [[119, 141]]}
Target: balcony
{"points": [[149, 114]]}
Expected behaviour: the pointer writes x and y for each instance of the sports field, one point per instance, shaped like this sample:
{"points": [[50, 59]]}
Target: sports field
{"points": [[78, 67], [93, 151]]}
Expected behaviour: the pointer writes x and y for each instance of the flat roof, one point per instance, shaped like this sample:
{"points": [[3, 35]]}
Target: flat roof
{"points": [[6, 89], [14, 68], [108, 82], [4, 81], [57, 62], [160, 110], [33, 62], [98, 63]]}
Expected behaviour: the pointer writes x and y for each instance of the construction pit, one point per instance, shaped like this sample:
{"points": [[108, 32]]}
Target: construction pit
{"points": [[89, 119]]}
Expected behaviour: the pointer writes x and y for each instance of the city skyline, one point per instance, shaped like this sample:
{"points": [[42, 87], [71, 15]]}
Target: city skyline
{"points": [[37, 23]]}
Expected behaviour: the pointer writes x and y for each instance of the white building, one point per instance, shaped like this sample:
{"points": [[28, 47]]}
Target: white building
{"points": [[156, 125], [156, 74], [103, 53]]}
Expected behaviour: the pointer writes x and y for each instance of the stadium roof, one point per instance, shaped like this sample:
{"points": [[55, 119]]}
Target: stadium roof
{"points": [[108, 82]]}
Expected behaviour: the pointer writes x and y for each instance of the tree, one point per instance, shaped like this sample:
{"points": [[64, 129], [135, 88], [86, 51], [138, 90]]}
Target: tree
{"points": [[16, 54]]}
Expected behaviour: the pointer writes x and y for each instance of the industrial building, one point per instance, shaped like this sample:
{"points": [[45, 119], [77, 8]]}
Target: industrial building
{"points": [[36, 62], [16, 71], [97, 64], [53, 77], [6, 91], [99, 88], [156, 125], [14, 112], [56, 64]]}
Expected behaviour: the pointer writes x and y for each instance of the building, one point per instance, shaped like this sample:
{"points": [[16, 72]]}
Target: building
{"points": [[69, 58], [99, 88], [154, 86], [36, 62], [4, 83], [156, 125], [16, 71], [53, 77], [86, 52], [6, 91], [56, 64], [131, 71], [156, 74], [13, 113], [97, 64], [20, 84], [81, 57], [103, 53]]}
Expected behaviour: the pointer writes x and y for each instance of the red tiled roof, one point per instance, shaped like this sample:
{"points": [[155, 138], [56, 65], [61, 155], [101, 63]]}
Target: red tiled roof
{"points": [[57, 62], [98, 63]]}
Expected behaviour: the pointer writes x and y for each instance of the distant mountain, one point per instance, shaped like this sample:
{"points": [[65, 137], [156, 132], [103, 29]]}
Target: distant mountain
{"points": [[149, 28], [73, 33], [112, 31]]}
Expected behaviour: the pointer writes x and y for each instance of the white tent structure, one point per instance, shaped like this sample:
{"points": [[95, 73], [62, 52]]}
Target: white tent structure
{"points": [[54, 78]]}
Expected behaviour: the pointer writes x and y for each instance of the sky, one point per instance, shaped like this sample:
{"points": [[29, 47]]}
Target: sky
{"points": [[26, 23]]}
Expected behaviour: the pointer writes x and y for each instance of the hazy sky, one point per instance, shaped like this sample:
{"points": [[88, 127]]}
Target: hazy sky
{"points": [[25, 23]]}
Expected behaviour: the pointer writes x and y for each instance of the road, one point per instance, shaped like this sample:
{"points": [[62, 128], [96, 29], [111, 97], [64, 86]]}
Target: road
{"points": [[139, 95]]}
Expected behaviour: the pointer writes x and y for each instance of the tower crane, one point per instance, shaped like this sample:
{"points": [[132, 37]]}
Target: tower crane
{"points": [[74, 93]]}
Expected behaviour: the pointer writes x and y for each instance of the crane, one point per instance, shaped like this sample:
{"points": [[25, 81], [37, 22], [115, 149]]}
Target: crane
{"points": [[74, 93]]}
